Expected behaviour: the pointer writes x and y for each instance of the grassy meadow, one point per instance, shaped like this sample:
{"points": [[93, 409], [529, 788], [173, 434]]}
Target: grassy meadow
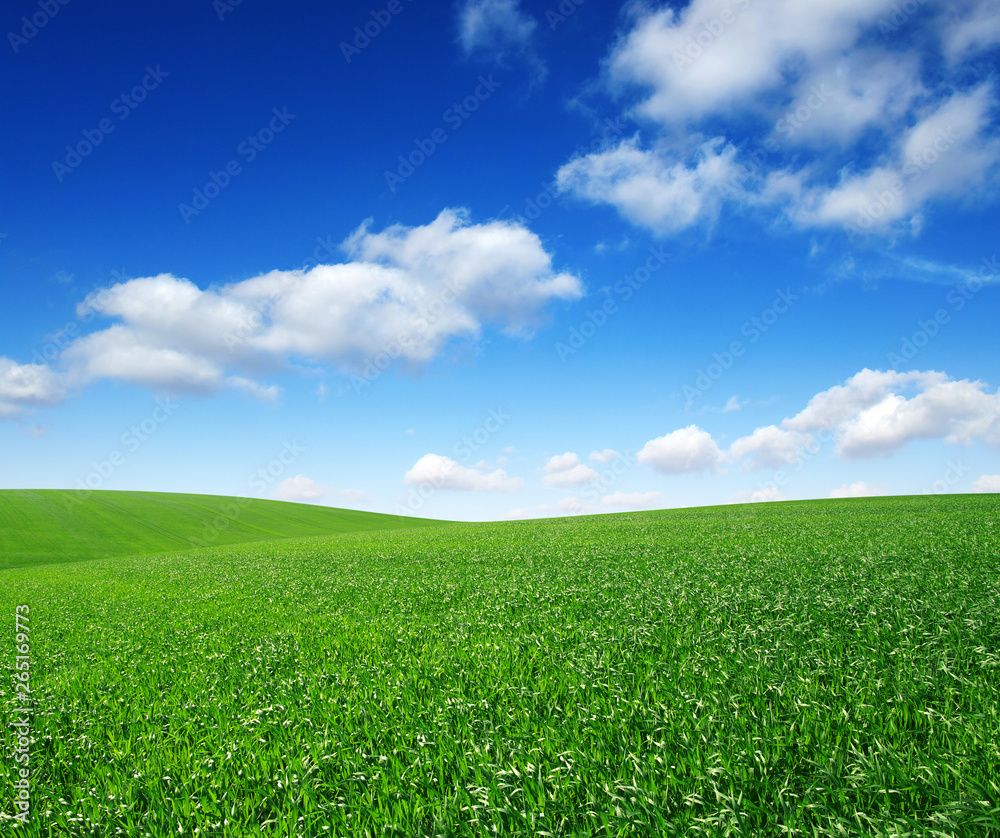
{"points": [[794, 669]]}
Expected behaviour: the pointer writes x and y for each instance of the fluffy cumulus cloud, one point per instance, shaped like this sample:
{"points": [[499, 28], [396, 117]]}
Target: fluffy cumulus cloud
{"points": [[27, 386], [659, 190], [851, 114], [605, 456], [768, 447], [402, 296], [873, 414], [717, 55], [945, 154], [564, 470], [440, 472], [576, 476], [561, 462], [689, 449], [833, 106], [988, 483], [858, 489]]}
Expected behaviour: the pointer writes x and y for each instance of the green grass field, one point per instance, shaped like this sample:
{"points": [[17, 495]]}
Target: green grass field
{"points": [[795, 669], [40, 526]]}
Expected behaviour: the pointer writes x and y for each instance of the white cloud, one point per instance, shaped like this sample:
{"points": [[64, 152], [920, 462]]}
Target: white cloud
{"points": [[716, 55], [874, 413], [492, 24], [299, 489], [654, 189], [988, 483], [575, 476], [765, 495], [955, 411], [496, 29], [633, 500], [859, 489], [128, 354], [605, 456], [839, 101], [252, 388], [768, 447], [561, 462], [838, 124], [862, 390], [404, 295], [970, 27], [945, 154], [733, 404], [685, 450], [440, 472], [26, 386], [564, 470]]}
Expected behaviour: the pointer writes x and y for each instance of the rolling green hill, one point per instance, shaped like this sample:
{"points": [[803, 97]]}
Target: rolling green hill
{"points": [[783, 669], [52, 525]]}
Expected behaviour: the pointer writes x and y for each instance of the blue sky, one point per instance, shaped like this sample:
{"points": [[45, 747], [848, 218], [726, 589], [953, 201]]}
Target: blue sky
{"points": [[498, 258]]}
